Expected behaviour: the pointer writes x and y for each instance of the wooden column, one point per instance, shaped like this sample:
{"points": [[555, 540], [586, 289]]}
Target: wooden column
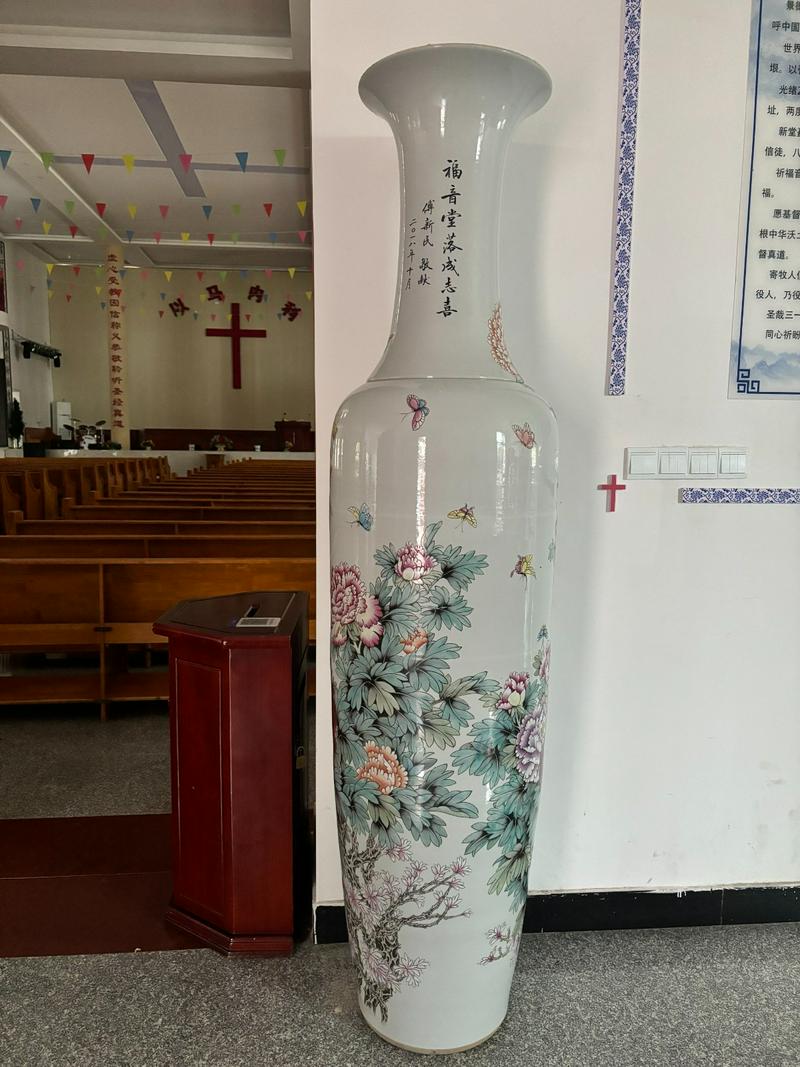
{"points": [[117, 348]]}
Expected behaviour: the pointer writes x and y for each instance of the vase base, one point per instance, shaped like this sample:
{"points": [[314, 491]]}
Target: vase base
{"points": [[432, 1051]]}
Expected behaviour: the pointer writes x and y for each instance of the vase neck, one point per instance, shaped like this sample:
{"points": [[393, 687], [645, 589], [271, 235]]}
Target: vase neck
{"points": [[453, 110]]}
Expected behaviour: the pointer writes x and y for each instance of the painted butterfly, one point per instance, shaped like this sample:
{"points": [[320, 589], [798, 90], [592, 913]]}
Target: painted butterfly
{"points": [[524, 434], [464, 514], [361, 516], [419, 410], [524, 567]]}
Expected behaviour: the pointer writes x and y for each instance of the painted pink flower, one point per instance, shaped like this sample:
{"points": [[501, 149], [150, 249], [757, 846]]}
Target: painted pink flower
{"points": [[383, 768], [460, 866], [513, 693], [414, 641], [413, 562], [353, 610], [544, 666], [529, 746]]}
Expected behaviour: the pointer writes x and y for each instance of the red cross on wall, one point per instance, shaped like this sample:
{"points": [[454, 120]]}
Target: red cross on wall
{"points": [[236, 333], [612, 487]]}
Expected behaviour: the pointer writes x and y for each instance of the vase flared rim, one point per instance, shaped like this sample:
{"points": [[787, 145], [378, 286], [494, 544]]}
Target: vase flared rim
{"points": [[387, 62]]}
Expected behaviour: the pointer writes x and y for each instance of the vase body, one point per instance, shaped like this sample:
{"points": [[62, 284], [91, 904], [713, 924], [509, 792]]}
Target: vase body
{"points": [[443, 486]]}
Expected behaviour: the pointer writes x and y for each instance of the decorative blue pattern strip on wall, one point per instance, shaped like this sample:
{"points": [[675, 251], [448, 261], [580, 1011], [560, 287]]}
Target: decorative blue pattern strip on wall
{"points": [[623, 230], [740, 496]]}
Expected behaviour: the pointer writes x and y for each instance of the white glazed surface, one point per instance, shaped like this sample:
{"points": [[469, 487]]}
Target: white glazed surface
{"points": [[444, 459]]}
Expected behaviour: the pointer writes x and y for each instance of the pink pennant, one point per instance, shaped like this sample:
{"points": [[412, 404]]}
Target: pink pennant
{"points": [[73, 230], [200, 274], [157, 237], [76, 271], [268, 272], [302, 234], [18, 223], [163, 208], [3, 202], [88, 160], [186, 161], [211, 237], [101, 209]]}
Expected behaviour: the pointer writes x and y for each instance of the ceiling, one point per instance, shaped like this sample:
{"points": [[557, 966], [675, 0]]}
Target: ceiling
{"points": [[193, 131]]}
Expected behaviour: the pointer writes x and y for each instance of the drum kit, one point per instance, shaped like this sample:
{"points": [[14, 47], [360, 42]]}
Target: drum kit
{"points": [[86, 435]]}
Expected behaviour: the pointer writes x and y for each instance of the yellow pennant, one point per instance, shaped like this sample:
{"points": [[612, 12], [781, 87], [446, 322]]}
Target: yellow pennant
{"points": [[98, 289], [168, 275], [308, 294], [129, 162], [228, 317], [47, 226], [301, 206], [50, 295], [184, 236], [132, 209], [50, 267], [291, 271]]}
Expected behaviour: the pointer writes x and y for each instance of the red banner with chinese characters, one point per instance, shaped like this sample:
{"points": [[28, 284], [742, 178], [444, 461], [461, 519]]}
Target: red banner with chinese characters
{"points": [[117, 352]]}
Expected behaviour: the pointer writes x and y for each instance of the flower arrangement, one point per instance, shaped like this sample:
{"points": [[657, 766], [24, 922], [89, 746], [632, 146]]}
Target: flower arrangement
{"points": [[221, 443], [147, 443]]}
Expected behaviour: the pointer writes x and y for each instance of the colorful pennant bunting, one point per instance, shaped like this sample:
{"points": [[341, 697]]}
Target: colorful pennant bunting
{"points": [[302, 234], [168, 275], [291, 271], [88, 160], [73, 230], [236, 208], [101, 209], [132, 209], [308, 294], [76, 270], [5, 155], [129, 161], [69, 206], [200, 274], [223, 274], [98, 289], [186, 161], [157, 237], [268, 209], [164, 209], [49, 267], [234, 237], [185, 236], [129, 235], [280, 155], [3, 202], [301, 207], [242, 158], [211, 237], [18, 223], [68, 297], [207, 209], [36, 202], [47, 159], [46, 226]]}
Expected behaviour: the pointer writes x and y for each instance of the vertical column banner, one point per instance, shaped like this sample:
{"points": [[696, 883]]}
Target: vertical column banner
{"points": [[623, 223], [765, 350], [117, 350]]}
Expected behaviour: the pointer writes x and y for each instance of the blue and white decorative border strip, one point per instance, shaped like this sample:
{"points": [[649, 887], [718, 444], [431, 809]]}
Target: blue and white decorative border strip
{"points": [[740, 496], [623, 227]]}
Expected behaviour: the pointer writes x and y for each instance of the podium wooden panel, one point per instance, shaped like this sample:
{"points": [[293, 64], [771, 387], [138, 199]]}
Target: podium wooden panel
{"points": [[240, 860]]}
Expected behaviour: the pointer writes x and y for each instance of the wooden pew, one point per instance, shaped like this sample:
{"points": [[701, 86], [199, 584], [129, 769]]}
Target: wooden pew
{"points": [[183, 512], [103, 605], [140, 528], [102, 545]]}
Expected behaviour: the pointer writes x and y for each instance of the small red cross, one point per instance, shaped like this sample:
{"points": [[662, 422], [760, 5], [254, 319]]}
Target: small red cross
{"points": [[236, 334], [612, 487]]}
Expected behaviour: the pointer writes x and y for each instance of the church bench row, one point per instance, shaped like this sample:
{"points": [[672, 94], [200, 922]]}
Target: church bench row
{"points": [[104, 605], [145, 528], [99, 544], [175, 512], [181, 493]]}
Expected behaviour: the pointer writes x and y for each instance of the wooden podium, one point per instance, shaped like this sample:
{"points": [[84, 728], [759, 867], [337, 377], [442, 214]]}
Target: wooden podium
{"points": [[240, 849]]}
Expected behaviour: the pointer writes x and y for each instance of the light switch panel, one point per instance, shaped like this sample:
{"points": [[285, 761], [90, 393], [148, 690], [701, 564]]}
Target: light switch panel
{"points": [[681, 461]]}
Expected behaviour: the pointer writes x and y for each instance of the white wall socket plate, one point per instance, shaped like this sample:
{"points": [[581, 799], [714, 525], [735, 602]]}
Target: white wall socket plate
{"points": [[686, 461]]}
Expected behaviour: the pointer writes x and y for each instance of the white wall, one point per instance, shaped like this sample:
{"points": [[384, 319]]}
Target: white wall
{"points": [[674, 741], [28, 316], [178, 377]]}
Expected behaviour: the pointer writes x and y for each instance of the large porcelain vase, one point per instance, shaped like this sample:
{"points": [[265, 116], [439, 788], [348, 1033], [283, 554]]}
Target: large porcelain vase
{"points": [[443, 482]]}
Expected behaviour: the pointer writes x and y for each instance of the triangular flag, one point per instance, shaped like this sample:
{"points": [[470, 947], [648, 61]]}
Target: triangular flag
{"points": [[47, 226], [168, 275], [223, 274], [98, 289], [291, 271], [5, 155], [101, 209], [123, 272], [76, 270], [35, 202], [243, 273], [185, 236], [242, 158], [3, 201], [280, 155], [308, 294], [163, 296], [88, 160], [50, 295], [234, 237], [103, 304], [302, 234], [207, 209], [73, 230], [98, 271], [202, 296], [18, 223], [273, 237], [50, 267], [247, 316], [68, 296], [129, 162], [268, 208], [47, 159], [132, 209], [200, 274], [195, 314], [268, 272], [157, 237], [102, 231], [229, 317], [145, 275], [163, 208], [186, 161], [129, 235], [213, 318], [236, 208], [161, 313], [69, 206], [301, 206], [211, 237]]}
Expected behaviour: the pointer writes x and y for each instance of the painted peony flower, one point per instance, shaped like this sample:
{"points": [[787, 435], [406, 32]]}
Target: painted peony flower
{"points": [[529, 746], [414, 641], [383, 768], [513, 694], [353, 610], [544, 666], [413, 562]]}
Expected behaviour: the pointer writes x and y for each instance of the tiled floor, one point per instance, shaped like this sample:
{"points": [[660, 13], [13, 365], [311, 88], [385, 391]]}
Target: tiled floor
{"points": [[720, 997]]}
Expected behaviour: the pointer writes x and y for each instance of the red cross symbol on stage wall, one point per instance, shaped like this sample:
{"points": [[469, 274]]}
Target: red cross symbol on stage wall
{"points": [[236, 333], [612, 487]]}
